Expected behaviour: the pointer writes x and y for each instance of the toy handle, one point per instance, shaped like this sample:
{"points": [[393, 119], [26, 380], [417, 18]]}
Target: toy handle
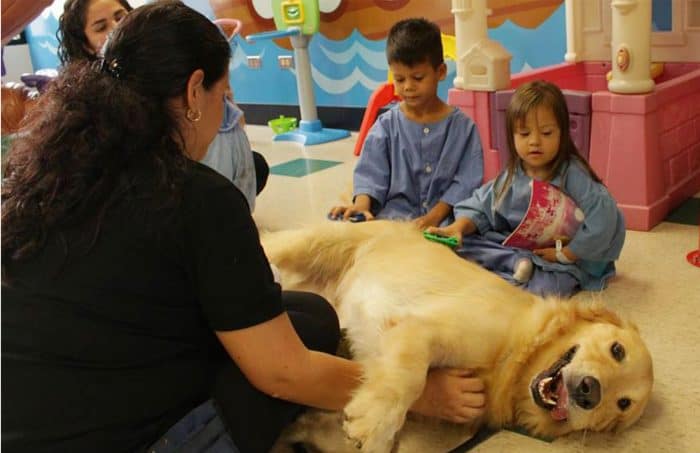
{"points": [[226, 24], [291, 31], [38, 81]]}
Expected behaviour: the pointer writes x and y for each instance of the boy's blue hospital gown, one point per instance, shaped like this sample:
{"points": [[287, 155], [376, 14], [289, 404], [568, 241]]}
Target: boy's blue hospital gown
{"points": [[408, 167]]}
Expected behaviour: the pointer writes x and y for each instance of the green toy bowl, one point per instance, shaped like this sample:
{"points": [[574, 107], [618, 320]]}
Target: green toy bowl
{"points": [[282, 124]]}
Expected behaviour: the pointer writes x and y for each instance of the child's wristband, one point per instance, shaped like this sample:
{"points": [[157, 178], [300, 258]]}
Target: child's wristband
{"points": [[560, 254]]}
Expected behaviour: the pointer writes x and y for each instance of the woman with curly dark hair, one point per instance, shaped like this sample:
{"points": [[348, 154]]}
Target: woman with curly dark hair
{"points": [[138, 308], [84, 26]]}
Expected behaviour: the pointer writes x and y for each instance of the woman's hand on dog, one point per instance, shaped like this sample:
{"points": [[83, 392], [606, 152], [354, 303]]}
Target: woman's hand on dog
{"points": [[452, 394]]}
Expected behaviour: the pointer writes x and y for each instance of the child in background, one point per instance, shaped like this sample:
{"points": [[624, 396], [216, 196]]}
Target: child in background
{"points": [[541, 148], [422, 156], [83, 29], [230, 154]]}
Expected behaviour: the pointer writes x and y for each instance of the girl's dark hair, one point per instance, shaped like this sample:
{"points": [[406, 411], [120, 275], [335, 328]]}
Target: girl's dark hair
{"points": [[415, 41], [72, 42], [105, 131], [526, 98]]}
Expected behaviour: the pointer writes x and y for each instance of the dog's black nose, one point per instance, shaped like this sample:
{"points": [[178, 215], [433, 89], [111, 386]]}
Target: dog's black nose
{"points": [[587, 393]]}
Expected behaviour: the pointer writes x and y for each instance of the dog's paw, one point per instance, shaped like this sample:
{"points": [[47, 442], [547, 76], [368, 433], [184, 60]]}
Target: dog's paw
{"points": [[372, 421]]}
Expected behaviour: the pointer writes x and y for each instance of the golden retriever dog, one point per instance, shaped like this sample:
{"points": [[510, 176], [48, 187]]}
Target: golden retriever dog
{"points": [[408, 304]]}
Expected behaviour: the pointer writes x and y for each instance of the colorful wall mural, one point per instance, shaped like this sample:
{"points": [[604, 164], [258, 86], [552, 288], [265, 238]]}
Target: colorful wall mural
{"points": [[347, 55]]}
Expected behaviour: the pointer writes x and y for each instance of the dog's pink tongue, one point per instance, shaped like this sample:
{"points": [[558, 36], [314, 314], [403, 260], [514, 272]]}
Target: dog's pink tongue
{"points": [[561, 411]]}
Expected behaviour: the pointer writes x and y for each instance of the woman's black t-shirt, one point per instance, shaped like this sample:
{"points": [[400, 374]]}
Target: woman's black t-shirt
{"points": [[105, 347]]}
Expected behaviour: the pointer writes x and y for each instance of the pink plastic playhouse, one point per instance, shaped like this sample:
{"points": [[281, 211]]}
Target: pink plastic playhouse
{"points": [[640, 134]]}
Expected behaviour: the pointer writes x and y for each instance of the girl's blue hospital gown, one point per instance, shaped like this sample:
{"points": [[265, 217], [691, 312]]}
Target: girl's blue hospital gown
{"points": [[597, 242]]}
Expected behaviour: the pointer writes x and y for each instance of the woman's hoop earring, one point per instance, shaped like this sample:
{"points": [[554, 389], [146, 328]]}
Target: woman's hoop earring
{"points": [[194, 115]]}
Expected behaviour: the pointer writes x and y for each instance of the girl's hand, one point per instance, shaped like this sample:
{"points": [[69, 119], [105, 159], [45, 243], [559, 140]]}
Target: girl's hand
{"points": [[549, 254], [452, 394]]}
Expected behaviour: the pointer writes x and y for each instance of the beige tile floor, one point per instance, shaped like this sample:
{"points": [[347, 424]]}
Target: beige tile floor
{"points": [[655, 287]]}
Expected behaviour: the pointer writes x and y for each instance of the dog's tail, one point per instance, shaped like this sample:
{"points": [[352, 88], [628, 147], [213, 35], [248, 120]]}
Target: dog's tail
{"points": [[314, 256]]}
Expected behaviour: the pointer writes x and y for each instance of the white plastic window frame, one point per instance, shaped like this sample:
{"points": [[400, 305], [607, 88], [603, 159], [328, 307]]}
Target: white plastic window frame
{"points": [[675, 37]]}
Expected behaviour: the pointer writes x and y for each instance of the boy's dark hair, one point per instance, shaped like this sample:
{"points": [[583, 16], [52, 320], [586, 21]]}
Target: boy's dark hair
{"points": [[414, 41], [72, 42]]}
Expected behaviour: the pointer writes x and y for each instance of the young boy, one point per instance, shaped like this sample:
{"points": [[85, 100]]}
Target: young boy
{"points": [[422, 156]]}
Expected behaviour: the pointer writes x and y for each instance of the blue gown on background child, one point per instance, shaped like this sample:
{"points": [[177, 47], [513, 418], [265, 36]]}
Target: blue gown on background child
{"points": [[597, 242], [230, 153], [408, 167]]}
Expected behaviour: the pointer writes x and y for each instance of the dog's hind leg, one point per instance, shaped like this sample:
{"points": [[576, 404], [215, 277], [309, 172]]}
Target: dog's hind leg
{"points": [[318, 431], [393, 380]]}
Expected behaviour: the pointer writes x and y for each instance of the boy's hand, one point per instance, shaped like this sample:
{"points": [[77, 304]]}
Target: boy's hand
{"points": [[345, 212], [337, 212], [426, 221], [452, 394], [448, 231]]}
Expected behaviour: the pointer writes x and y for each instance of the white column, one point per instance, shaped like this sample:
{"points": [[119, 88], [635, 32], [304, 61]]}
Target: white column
{"points": [[305, 85], [631, 47], [573, 31], [470, 27]]}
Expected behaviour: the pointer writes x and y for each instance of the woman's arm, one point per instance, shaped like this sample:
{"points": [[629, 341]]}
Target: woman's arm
{"points": [[276, 362]]}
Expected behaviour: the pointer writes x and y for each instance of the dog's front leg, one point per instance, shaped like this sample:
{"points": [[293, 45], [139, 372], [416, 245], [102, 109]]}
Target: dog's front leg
{"points": [[393, 380]]}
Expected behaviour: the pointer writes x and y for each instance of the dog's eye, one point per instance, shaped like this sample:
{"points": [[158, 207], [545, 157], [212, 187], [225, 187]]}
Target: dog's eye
{"points": [[618, 351], [624, 403]]}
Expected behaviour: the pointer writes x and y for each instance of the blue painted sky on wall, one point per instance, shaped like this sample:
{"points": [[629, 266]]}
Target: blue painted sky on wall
{"points": [[344, 72]]}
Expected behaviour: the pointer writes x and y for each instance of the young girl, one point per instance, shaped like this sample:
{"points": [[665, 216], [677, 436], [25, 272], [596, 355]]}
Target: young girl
{"points": [[422, 156], [541, 149]]}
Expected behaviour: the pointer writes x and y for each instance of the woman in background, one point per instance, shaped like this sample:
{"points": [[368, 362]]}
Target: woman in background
{"points": [[84, 26]]}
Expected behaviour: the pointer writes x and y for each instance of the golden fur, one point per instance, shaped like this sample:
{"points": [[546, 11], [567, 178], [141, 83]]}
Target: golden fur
{"points": [[408, 304]]}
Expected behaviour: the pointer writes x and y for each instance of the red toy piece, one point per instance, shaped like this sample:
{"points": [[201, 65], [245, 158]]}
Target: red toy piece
{"points": [[381, 97]]}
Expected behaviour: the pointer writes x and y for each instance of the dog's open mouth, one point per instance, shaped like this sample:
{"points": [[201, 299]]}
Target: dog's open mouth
{"points": [[548, 388]]}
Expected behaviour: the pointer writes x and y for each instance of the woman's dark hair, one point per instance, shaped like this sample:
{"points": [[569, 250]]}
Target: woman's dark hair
{"points": [[414, 41], [106, 130], [526, 98], [72, 42]]}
